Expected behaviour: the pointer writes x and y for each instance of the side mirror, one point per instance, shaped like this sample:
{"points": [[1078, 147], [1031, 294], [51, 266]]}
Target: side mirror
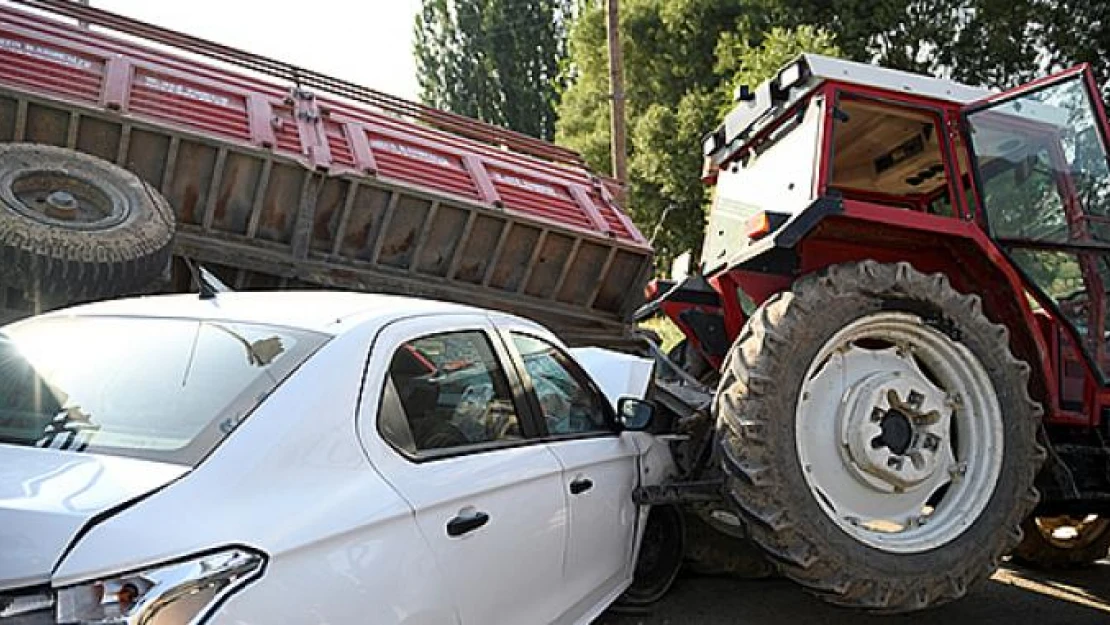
{"points": [[635, 414]]}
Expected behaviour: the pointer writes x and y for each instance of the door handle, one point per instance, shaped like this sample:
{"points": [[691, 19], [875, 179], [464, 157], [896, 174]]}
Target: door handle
{"points": [[581, 485], [466, 523]]}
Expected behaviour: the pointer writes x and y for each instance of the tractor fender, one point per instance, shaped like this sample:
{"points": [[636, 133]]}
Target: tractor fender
{"points": [[834, 230]]}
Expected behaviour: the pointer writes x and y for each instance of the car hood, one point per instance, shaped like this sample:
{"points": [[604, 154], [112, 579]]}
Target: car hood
{"points": [[47, 496]]}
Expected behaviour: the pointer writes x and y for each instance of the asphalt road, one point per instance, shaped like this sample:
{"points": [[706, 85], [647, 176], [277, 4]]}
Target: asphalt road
{"points": [[1013, 596]]}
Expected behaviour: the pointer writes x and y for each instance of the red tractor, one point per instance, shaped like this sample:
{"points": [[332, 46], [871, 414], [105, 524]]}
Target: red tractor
{"points": [[902, 306]]}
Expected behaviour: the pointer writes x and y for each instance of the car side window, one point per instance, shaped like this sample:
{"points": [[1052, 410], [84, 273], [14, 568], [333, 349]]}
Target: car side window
{"points": [[446, 391], [569, 403]]}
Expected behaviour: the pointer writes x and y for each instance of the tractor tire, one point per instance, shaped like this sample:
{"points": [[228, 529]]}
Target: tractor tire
{"points": [[74, 227], [1082, 542], [878, 437]]}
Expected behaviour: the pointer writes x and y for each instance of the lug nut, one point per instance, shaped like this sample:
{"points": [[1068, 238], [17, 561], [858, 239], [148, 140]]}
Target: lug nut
{"points": [[915, 399]]}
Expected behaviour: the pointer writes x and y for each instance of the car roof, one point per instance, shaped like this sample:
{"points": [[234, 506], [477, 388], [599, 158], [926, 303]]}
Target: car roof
{"points": [[328, 312]]}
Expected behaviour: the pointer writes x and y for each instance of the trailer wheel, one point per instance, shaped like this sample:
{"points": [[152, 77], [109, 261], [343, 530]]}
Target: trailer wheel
{"points": [[879, 437], [1063, 542], [76, 227]]}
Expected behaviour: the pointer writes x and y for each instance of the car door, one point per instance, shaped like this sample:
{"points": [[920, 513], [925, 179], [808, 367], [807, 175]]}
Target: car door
{"points": [[600, 468], [441, 420]]}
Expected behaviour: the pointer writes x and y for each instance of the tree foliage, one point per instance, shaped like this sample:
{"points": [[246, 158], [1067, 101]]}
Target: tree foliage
{"points": [[495, 60], [676, 94], [684, 57]]}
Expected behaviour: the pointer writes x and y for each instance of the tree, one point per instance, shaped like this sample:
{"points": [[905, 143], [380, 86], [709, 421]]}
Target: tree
{"points": [[990, 43], [676, 94], [495, 60]]}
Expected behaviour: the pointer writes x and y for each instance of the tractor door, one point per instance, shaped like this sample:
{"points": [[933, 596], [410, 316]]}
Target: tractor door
{"points": [[1043, 182]]}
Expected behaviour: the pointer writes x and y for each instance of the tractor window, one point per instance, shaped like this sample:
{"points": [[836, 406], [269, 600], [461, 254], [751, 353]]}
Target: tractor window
{"points": [[1045, 187], [777, 174], [890, 155], [1043, 166]]}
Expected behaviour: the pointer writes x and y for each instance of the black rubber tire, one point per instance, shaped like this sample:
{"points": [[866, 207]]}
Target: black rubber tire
{"points": [[67, 261], [709, 551], [756, 404], [660, 558], [1038, 552]]}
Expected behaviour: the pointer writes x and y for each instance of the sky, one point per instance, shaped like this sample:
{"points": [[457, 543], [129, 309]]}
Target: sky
{"points": [[368, 42]]}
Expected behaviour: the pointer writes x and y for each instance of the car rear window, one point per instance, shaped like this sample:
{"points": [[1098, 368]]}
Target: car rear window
{"points": [[160, 389]]}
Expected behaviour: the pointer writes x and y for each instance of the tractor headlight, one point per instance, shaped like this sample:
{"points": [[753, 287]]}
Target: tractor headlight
{"points": [[791, 75], [177, 593]]}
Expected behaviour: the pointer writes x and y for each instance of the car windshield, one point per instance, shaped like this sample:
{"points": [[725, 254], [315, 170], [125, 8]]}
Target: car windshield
{"points": [[161, 389]]}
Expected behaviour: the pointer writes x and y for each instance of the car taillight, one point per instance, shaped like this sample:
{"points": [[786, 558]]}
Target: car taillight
{"points": [[180, 592]]}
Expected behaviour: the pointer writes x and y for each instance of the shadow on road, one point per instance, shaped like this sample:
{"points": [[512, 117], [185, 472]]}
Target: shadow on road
{"points": [[1014, 595]]}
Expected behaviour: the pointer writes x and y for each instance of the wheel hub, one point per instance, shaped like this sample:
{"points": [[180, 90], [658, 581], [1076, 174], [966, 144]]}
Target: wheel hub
{"points": [[61, 205], [65, 199], [895, 427], [898, 433]]}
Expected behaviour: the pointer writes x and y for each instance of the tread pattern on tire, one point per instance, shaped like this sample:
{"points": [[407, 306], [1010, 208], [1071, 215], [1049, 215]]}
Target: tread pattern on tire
{"points": [[72, 264], [783, 518]]}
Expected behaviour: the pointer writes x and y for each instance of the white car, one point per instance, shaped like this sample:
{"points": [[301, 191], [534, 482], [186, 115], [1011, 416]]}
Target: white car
{"points": [[314, 458]]}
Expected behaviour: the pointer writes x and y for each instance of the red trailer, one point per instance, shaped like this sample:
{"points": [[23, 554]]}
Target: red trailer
{"points": [[274, 176]]}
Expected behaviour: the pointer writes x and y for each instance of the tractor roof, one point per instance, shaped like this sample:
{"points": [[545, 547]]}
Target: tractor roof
{"points": [[756, 109]]}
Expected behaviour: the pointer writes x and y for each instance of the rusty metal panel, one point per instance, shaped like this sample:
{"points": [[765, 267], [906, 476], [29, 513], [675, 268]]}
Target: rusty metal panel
{"points": [[147, 152], [7, 118], [624, 270], [100, 138], [478, 249], [47, 125], [513, 261], [191, 182], [365, 222], [548, 267], [442, 240], [399, 239], [280, 203], [588, 265], [334, 203], [235, 197]]}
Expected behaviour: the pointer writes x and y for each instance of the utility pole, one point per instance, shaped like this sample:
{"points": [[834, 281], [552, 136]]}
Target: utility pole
{"points": [[619, 140]]}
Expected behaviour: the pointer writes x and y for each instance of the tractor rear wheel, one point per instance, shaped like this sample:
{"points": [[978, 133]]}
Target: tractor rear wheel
{"points": [[878, 436], [1063, 542]]}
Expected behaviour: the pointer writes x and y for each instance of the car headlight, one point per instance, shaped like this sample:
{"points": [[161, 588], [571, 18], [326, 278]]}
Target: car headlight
{"points": [[172, 594]]}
